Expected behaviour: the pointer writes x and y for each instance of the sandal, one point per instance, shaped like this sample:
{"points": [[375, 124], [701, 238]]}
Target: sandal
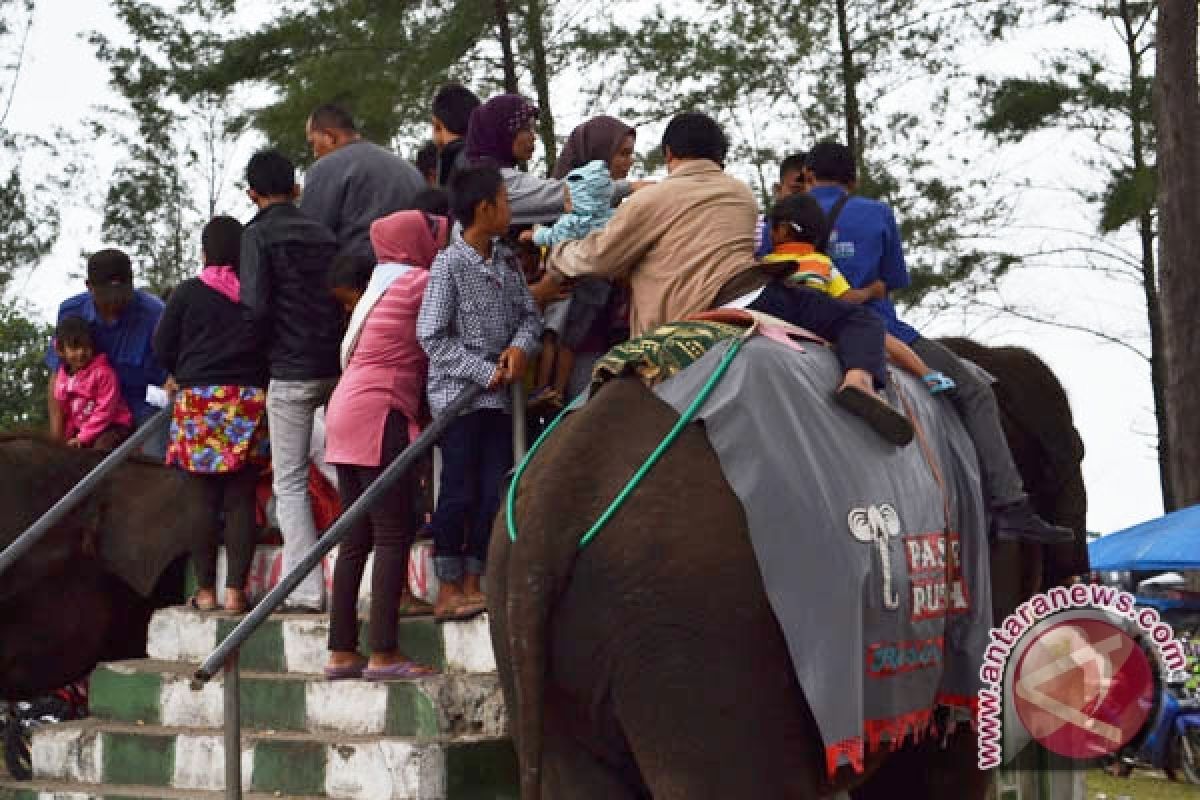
{"points": [[937, 382], [400, 671], [345, 672], [889, 423]]}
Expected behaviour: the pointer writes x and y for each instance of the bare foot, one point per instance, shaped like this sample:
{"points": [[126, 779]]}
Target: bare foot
{"points": [[473, 589], [450, 597], [345, 658], [204, 600], [388, 659], [235, 601]]}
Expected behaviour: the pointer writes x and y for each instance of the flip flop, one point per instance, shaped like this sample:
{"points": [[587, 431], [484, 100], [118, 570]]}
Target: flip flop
{"points": [[938, 382], [405, 669], [345, 673], [412, 607], [889, 423], [462, 611]]}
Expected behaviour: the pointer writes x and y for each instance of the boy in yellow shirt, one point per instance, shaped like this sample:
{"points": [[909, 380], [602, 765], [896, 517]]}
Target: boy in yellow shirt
{"points": [[798, 225]]}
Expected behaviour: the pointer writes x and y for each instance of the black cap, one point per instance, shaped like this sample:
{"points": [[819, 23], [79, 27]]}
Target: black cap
{"points": [[110, 277]]}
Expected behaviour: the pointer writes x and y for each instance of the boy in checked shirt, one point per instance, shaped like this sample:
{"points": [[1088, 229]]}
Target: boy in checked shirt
{"points": [[478, 325]]}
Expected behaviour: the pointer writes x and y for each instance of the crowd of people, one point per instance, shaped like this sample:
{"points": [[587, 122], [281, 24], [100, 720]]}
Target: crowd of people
{"points": [[383, 290]]}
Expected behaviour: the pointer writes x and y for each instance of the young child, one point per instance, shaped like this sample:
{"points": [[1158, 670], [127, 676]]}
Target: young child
{"points": [[87, 390], [589, 206], [218, 425], [478, 324], [797, 225]]}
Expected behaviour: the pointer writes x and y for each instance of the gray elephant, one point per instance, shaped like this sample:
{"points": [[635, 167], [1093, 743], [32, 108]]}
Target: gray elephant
{"points": [[650, 664], [85, 592]]}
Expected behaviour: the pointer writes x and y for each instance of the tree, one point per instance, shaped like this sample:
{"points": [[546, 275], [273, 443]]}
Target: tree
{"points": [[23, 372], [784, 76], [1178, 116], [1078, 92]]}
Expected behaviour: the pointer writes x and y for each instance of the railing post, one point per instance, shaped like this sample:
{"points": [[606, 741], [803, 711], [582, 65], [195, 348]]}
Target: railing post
{"points": [[520, 421], [233, 728]]}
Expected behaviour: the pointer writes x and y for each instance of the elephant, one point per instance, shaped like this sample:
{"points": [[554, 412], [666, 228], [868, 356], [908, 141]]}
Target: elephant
{"points": [[84, 593], [650, 663]]}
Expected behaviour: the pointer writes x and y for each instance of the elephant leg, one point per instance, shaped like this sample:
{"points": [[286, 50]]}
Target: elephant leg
{"points": [[930, 772], [571, 771]]}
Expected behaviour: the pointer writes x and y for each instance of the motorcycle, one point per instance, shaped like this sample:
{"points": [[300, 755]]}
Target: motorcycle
{"points": [[20, 718], [1172, 743]]}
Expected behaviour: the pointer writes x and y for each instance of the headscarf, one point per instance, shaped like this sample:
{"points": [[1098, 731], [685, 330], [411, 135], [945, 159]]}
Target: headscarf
{"points": [[596, 139], [407, 237], [494, 126], [223, 280]]}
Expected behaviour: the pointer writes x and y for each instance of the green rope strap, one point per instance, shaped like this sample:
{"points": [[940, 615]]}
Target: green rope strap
{"points": [[684, 419]]}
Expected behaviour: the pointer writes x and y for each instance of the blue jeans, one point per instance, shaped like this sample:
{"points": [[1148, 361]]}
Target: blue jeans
{"points": [[476, 456]]}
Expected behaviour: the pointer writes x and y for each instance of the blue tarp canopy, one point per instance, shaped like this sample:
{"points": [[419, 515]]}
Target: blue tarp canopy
{"points": [[1169, 542]]}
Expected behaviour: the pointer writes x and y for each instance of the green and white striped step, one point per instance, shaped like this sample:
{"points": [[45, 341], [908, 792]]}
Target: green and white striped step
{"points": [[159, 693], [52, 790], [335, 766], [299, 642]]}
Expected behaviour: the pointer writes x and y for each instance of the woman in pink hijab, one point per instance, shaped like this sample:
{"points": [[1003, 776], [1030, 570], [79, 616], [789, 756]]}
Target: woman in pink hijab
{"points": [[375, 411]]}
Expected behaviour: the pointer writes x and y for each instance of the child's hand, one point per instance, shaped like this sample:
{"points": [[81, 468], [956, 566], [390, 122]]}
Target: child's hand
{"points": [[566, 199], [855, 296], [74, 442], [526, 235], [170, 386], [497, 378], [512, 362]]}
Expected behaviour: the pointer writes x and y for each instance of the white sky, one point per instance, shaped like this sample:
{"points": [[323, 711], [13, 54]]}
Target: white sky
{"points": [[1109, 387]]}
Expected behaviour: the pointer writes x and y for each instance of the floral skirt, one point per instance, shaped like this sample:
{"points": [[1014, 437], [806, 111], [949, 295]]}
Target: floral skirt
{"points": [[218, 429]]}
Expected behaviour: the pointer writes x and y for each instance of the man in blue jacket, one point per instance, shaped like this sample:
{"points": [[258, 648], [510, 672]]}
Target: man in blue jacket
{"points": [[865, 245]]}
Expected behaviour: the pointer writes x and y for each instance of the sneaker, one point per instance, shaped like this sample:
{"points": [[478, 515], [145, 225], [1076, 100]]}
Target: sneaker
{"points": [[1018, 521]]}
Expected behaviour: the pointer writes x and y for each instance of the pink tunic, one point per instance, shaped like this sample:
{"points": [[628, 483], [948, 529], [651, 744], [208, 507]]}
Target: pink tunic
{"points": [[91, 400], [386, 371]]}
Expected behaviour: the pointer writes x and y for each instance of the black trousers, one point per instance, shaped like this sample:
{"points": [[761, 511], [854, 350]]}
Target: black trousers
{"points": [[230, 493], [388, 529], [857, 333]]}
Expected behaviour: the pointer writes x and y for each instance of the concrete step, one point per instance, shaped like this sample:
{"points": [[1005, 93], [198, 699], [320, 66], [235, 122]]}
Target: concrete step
{"points": [[91, 753], [298, 642], [52, 790], [159, 693]]}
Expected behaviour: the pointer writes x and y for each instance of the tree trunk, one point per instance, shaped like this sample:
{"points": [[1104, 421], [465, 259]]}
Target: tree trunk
{"points": [[504, 31], [1145, 226], [535, 24], [1178, 116], [853, 117]]}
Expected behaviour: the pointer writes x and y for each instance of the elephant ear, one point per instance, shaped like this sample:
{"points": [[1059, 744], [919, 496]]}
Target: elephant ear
{"points": [[151, 516]]}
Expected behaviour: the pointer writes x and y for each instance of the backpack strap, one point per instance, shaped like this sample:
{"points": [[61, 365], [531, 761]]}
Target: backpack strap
{"points": [[834, 212]]}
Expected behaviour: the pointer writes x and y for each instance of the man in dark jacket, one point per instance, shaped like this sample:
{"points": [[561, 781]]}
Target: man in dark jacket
{"points": [[452, 107], [285, 258]]}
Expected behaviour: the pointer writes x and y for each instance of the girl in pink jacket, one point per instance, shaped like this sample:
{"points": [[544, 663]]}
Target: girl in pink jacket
{"points": [[87, 390]]}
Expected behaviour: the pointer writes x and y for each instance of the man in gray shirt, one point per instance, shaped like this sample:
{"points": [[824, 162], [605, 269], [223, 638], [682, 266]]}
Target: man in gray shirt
{"points": [[354, 182]]}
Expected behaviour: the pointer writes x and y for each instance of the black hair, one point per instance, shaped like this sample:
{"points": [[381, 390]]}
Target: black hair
{"points": [[832, 161], [796, 162], [350, 270], [471, 186], [453, 105], [221, 240], [695, 135], [331, 117], [72, 331], [427, 160], [432, 200], [271, 173], [803, 214]]}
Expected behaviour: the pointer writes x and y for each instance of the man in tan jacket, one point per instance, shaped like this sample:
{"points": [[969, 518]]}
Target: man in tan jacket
{"points": [[677, 241]]}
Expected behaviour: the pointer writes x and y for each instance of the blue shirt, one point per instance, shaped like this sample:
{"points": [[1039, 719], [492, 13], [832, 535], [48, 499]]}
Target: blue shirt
{"points": [[865, 245], [126, 342]]}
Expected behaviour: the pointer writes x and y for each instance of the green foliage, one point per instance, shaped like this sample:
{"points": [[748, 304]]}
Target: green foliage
{"points": [[23, 373], [1015, 107], [383, 59], [1130, 193]]}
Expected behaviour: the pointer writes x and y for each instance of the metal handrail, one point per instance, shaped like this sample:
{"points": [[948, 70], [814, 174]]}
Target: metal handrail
{"points": [[79, 491]]}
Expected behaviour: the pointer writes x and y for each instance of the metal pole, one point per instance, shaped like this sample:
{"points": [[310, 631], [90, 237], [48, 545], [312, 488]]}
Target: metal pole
{"points": [[332, 537], [29, 538], [520, 420], [233, 729]]}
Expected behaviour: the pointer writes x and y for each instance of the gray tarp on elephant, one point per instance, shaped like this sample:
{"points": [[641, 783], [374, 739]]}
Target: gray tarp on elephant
{"points": [[817, 485]]}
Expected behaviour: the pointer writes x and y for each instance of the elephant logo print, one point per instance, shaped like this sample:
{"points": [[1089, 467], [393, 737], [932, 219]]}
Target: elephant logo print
{"points": [[876, 524]]}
